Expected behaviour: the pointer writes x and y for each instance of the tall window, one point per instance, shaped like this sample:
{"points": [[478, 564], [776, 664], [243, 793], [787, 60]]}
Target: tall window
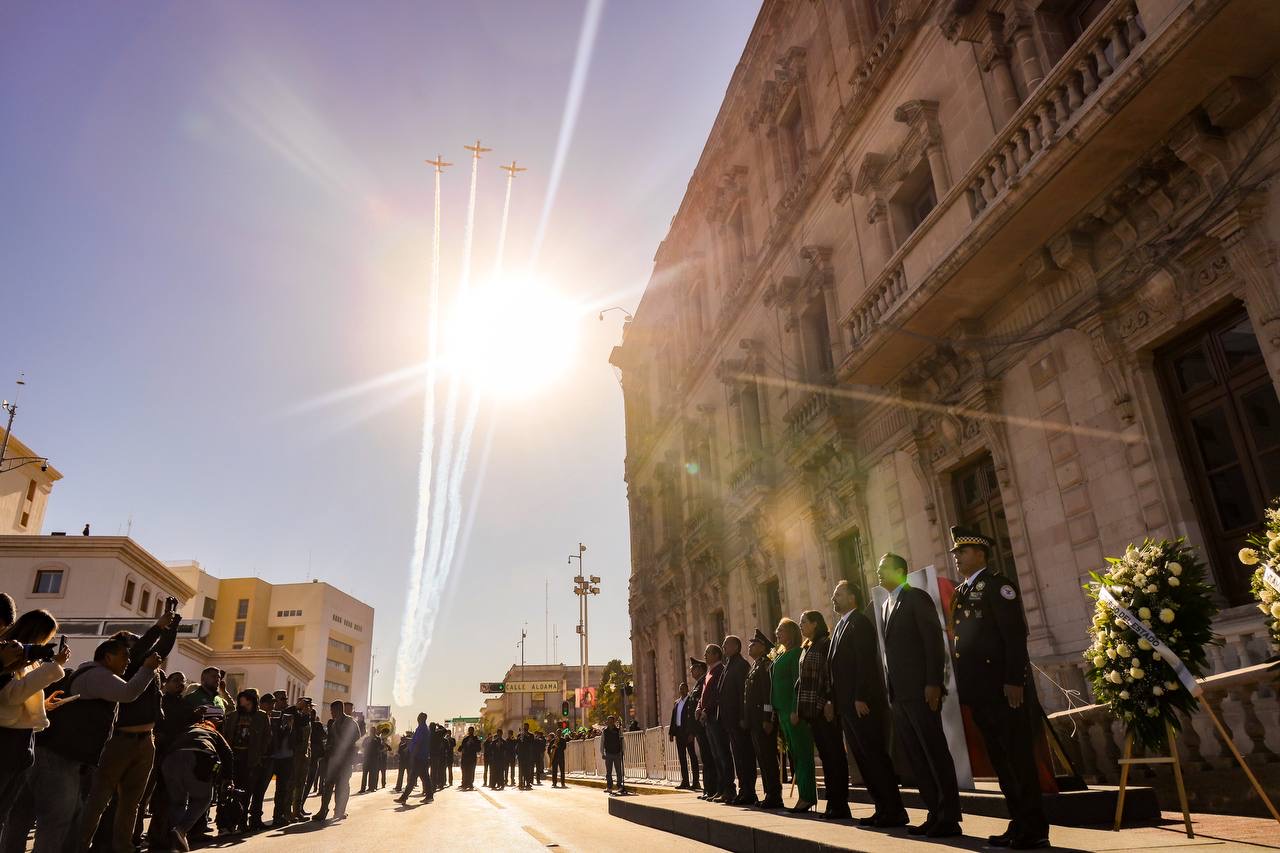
{"points": [[771, 593], [1227, 420], [914, 200], [720, 626], [210, 607], [48, 582], [819, 363], [791, 129], [242, 608], [145, 604], [751, 425], [130, 589], [682, 661], [849, 555], [980, 507], [239, 633]]}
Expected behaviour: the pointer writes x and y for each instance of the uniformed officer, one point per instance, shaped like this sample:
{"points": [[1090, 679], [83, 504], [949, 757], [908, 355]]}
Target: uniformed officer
{"points": [[760, 721], [993, 678]]}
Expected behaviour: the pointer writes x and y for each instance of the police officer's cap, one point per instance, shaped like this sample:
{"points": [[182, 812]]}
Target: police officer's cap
{"points": [[962, 536], [696, 662], [762, 639]]}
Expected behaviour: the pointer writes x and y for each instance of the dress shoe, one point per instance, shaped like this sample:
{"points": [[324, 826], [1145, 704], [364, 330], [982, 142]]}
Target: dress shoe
{"points": [[919, 828], [745, 800], [716, 798], [800, 807], [944, 829], [402, 800], [682, 787], [844, 814], [320, 817], [1029, 843], [771, 803], [1004, 839]]}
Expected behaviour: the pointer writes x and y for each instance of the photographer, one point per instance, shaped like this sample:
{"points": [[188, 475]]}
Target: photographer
{"points": [[212, 690], [248, 731], [176, 718], [129, 756], [281, 760], [189, 772], [68, 752], [29, 664]]}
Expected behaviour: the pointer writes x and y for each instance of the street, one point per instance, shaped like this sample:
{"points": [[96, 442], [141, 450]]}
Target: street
{"points": [[573, 819]]}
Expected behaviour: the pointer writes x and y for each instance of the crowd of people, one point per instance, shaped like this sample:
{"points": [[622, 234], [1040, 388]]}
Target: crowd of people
{"points": [[826, 689]]}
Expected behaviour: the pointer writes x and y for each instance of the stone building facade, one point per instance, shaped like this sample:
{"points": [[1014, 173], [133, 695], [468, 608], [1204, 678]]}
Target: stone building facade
{"points": [[1007, 263]]}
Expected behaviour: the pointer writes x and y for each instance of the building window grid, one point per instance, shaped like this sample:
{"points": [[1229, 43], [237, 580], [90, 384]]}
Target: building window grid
{"points": [[130, 589], [338, 644], [144, 603], [335, 687], [48, 582]]}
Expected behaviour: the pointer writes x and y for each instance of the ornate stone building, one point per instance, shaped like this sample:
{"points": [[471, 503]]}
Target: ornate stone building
{"points": [[1008, 263]]}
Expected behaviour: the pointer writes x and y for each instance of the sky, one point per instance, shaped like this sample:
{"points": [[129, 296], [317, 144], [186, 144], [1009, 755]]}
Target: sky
{"points": [[217, 215]]}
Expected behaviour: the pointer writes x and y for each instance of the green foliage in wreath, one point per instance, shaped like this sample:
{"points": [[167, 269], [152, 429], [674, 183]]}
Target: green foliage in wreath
{"points": [[1264, 553], [1163, 584]]}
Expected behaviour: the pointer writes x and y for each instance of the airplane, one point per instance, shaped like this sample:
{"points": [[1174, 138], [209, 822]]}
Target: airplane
{"points": [[512, 169], [476, 149], [439, 163]]}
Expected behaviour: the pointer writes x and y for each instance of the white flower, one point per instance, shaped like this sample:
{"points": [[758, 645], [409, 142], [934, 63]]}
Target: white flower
{"points": [[1175, 568], [1274, 545], [1146, 622], [1171, 685], [1174, 582], [1275, 610], [1157, 690], [1135, 662], [1248, 556], [1123, 650], [1099, 660], [1130, 553], [1124, 694], [1144, 613], [1136, 672], [1111, 653], [1114, 676], [1166, 616], [1143, 644], [1153, 712], [1153, 588]]}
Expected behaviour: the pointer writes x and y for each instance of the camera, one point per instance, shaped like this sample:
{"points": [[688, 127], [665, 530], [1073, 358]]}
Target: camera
{"points": [[43, 652]]}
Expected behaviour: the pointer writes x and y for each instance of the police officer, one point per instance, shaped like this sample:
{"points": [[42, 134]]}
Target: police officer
{"points": [[993, 679], [760, 721]]}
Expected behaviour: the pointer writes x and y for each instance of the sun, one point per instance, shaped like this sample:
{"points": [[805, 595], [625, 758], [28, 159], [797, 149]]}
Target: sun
{"points": [[513, 337]]}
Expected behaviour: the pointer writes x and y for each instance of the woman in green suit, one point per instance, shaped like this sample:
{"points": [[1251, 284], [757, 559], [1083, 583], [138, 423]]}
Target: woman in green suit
{"points": [[785, 673]]}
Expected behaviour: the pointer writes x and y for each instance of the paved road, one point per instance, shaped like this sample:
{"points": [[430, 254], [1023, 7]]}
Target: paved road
{"points": [[573, 819]]}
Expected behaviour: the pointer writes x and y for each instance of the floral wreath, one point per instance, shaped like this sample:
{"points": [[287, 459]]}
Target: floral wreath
{"points": [[1155, 599], [1264, 552]]}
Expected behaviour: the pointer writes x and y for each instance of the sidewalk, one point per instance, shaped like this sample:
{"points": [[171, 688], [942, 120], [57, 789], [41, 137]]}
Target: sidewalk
{"points": [[754, 831]]}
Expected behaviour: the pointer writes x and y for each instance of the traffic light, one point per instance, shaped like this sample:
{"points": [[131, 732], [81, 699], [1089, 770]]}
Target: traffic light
{"points": [[564, 709]]}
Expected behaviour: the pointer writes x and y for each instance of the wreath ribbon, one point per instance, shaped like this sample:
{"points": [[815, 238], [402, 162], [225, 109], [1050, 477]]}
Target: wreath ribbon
{"points": [[1271, 578], [1184, 675]]}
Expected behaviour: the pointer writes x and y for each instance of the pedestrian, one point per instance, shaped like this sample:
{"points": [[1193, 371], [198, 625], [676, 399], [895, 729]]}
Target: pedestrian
{"points": [[402, 760], [176, 717], [718, 738], [369, 764], [487, 753], [451, 746], [419, 762], [527, 745], [247, 731], [319, 736], [130, 754], [731, 693], [760, 722], [798, 735], [813, 691], [556, 747], [540, 758], [679, 733], [862, 707], [915, 658], [300, 744], [612, 749], [470, 749], [341, 736], [994, 681], [282, 760], [262, 776], [190, 770], [511, 755], [710, 778]]}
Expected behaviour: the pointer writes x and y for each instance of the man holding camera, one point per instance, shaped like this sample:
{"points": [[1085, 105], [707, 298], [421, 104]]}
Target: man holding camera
{"points": [[130, 754]]}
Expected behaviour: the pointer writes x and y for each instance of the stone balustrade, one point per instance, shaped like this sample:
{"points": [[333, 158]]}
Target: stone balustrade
{"points": [[753, 472]]}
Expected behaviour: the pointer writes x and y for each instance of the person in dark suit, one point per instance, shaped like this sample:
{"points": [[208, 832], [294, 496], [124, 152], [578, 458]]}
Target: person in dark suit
{"points": [[993, 680], [709, 715], [680, 734], [813, 697], [915, 657], [731, 692], [760, 721], [860, 703], [711, 782]]}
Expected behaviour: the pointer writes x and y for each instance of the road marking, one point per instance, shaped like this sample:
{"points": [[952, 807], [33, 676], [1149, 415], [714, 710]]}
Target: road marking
{"points": [[539, 837], [492, 801]]}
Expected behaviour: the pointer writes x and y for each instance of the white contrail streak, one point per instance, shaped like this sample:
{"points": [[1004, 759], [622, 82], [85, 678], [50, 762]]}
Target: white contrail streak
{"points": [[502, 230], [409, 656], [577, 82]]}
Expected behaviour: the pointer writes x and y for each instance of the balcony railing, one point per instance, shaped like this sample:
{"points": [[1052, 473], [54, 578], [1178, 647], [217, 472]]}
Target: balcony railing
{"points": [[753, 472]]}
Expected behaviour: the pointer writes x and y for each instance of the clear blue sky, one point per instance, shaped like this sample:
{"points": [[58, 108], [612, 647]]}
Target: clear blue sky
{"points": [[215, 212]]}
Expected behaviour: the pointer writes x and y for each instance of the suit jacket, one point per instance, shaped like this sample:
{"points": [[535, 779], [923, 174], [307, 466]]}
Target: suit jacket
{"points": [[914, 651], [680, 727], [731, 690], [691, 725], [757, 695], [990, 638], [854, 664]]}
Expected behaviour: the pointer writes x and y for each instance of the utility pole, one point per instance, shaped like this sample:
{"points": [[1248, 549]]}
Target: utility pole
{"points": [[12, 408], [583, 586]]}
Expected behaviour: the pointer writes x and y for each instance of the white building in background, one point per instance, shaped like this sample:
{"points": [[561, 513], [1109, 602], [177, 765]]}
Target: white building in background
{"points": [[25, 484]]}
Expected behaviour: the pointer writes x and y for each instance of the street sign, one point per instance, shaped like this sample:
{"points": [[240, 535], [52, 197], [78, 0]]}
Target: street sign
{"points": [[532, 686], [378, 713], [493, 687]]}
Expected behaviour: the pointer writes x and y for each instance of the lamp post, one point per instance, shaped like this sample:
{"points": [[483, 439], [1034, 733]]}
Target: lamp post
{"points": [[583, 586], [11, 406]]}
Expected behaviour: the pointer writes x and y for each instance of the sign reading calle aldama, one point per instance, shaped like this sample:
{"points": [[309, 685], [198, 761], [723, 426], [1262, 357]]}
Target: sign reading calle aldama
{"points": [[520, 686]]}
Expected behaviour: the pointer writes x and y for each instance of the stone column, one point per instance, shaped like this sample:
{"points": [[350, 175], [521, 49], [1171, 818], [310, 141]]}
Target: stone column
{"points": [[995, 62], [878, 216], [1255, 258], [1025, 54], [938, 169]]}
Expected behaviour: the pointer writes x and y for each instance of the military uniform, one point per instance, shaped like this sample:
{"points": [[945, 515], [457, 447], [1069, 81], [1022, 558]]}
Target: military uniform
{"points": [[990, 652], [757, 713]]}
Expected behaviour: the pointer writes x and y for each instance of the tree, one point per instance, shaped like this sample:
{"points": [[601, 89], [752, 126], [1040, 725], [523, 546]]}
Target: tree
{"points": [[615, 683]]}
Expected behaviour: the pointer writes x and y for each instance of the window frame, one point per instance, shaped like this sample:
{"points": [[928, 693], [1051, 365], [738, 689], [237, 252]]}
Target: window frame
{"points": [[63, 572]]}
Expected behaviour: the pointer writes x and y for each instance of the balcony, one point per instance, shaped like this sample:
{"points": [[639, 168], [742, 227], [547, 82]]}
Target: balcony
{"points": [[1116, 94], [752, 479], [816, 420]]}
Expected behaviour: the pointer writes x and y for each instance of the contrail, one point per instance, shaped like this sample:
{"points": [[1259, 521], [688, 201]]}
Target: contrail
{"points": [[506, 209], [577, 82], [406, 664]]}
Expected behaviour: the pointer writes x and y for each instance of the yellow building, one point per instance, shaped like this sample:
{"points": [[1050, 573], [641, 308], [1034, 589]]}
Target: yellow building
{"points": [[25, 483], [327, 630]]}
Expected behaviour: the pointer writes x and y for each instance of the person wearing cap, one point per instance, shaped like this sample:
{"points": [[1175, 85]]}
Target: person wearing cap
{"points": [[300, 743], [698, 732], [861, 707], [760, 722], [679, 734], [915, 660], [993, 679]]}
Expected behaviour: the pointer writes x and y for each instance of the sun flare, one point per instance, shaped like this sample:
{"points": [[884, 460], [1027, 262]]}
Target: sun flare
{"points": [[513, 337]]}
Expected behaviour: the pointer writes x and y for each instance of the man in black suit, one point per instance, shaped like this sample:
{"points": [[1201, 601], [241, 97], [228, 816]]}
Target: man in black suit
{"points": [[760, 721], [681, 733], [732, 689], [711, 782], [915, 657], [993, 680], [858, 697]]}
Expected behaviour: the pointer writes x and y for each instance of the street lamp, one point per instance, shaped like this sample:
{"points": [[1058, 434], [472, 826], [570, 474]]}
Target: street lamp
{"points": [[583, 586], [11, 406]]}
